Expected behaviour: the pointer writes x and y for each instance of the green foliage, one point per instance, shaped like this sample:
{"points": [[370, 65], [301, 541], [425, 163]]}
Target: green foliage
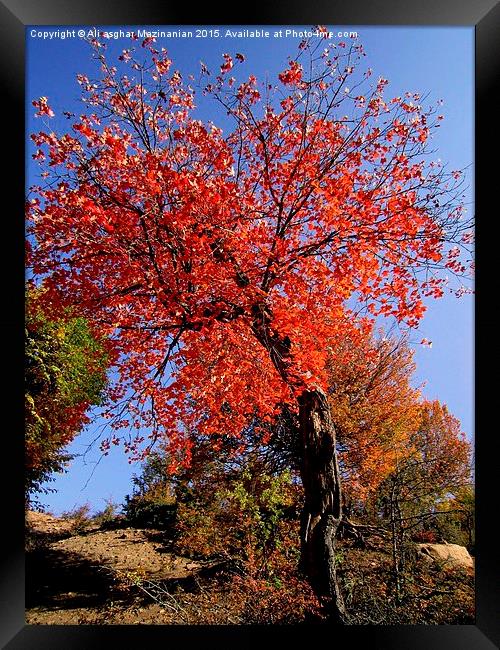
{"points": [[465, 501], [65, 373], [456, 520], [152, 504], [154, 478], [107, 515], [260, 502], [147, 512], [246, 518]]}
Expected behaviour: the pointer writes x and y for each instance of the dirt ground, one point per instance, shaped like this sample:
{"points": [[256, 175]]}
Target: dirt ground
{"points": [[79, 572], [119, 575]]}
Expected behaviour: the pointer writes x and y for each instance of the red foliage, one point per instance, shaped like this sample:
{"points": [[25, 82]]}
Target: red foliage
{"points": [[221, 266], [425, 537]]}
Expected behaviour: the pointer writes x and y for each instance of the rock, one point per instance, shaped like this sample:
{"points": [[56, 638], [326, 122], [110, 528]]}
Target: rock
{"points": [[447, 554]]}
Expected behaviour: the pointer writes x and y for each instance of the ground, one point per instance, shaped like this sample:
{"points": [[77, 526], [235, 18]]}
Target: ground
{"points": [[100, 575], [79, 572]]}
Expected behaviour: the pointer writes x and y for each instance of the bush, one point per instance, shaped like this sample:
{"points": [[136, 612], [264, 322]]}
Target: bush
{"points": [[107, 515], [80, 518], [425, 537], [288, 600], [244, 519], [146, 511], [153, 503]]}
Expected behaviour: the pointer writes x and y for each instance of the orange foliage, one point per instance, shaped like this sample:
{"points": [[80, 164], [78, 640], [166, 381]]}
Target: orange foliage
{"points": [[441, 448], [374, 407]]}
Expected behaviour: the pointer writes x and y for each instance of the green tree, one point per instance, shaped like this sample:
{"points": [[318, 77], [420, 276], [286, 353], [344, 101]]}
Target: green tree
{"points": [[65, 373], [458, 524]]}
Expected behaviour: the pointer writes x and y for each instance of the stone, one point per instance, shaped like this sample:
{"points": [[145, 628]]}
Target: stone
{"points": [[446, 554]]}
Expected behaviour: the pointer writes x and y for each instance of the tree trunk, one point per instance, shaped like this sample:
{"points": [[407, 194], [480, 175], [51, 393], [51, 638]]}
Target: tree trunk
{"points": [[322, 512]]}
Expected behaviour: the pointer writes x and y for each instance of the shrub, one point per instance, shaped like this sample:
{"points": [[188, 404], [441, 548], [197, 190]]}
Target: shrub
{"points": [[425, 537], [107, 515], [149, 513], [80, 518], [287, 600], [153, 503], [244, 519]]}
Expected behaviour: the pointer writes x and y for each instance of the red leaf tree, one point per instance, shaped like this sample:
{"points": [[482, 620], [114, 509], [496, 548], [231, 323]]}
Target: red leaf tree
{"points": [[222, 266]]}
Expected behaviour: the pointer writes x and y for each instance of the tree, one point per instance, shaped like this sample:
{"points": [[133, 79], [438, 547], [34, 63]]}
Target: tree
{"points": [[65, 374], [374, 407], [223, 266], [463, 504], [432, 473]]}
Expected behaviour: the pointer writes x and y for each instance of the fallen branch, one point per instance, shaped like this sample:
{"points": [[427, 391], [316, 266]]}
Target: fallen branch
{"points": [[359, 532]]}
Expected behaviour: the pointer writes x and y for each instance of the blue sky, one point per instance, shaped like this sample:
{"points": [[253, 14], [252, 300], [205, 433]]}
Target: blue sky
{"points": [[434, 60]]}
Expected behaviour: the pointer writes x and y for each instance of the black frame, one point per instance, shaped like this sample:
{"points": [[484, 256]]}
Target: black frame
{"points": [[485, 16]]}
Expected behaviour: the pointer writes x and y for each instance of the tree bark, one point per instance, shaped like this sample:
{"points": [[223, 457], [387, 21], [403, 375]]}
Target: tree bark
{"points": [[322, 513]]}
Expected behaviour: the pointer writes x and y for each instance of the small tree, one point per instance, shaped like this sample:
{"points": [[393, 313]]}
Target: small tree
{"points": [[153, 502], [462, 505]]}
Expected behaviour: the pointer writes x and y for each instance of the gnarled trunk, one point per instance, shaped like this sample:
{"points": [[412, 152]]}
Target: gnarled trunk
{"points": [[322, 512]]}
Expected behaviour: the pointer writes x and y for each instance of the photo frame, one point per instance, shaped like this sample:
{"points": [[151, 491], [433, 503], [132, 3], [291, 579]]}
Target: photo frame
{"points": [[485, 16]]}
